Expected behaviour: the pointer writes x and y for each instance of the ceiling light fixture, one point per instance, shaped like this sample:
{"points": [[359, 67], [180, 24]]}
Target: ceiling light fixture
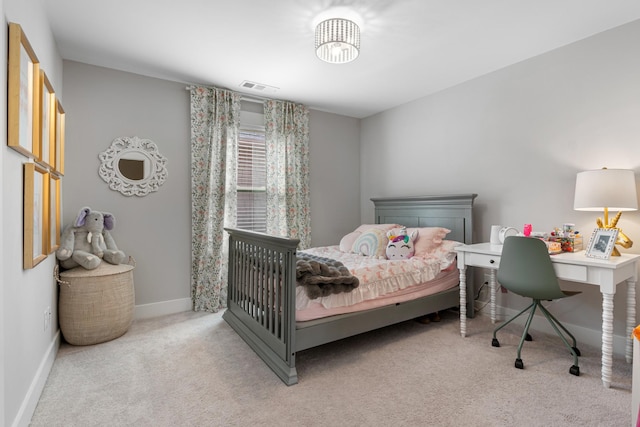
{"points": [[337, 40]]}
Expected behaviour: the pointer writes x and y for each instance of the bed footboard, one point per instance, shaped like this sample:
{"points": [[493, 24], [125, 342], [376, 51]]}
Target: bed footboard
{"points": [[261, 297]]}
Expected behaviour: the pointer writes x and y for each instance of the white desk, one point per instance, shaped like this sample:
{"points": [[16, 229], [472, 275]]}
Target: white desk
{"points": [[574, 267]]}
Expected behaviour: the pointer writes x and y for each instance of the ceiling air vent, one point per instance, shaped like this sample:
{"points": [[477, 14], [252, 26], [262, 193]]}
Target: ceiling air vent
{"points": [[258, 87]]}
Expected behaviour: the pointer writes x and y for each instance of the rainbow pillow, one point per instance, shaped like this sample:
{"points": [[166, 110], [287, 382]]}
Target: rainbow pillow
{"points": [[373, 243]]}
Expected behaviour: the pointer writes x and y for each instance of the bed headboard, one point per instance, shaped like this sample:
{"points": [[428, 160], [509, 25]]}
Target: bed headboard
{"points": [[454, 212]]}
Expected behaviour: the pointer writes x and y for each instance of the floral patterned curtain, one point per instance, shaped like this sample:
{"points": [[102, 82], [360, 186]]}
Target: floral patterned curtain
{"points": [[287, 146], [215, 119]]}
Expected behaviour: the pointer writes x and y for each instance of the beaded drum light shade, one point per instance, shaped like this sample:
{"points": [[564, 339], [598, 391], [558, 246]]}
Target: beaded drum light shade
{"points": [[337, 40]]}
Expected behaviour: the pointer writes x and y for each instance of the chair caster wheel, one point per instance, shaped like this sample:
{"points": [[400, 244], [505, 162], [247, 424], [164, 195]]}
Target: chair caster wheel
{"points": [[495, 342], [519, 364], [575, 370], [528, 337], [577, 351]]}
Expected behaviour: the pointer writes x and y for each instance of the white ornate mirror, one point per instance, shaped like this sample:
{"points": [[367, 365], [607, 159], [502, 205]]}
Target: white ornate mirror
{"points": [[133, 166]]}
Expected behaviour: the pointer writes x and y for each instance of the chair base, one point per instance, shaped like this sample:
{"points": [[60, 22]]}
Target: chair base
{"points": [[573, 349], [573, 370]]}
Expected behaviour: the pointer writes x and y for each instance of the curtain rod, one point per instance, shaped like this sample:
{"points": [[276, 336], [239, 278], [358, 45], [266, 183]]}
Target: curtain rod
{"points": [[256, 99], [248, 98]]}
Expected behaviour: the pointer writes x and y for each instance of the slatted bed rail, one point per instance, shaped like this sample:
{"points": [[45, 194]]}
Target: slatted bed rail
{"points": [[261, 301], [261, 297]]}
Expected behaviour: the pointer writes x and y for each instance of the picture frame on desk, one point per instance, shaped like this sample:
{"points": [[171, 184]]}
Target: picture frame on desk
{"points": [[601, 243]]}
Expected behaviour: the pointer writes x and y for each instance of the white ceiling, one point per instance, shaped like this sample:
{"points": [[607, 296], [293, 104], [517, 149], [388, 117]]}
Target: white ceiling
{"points": [[410, 48]]}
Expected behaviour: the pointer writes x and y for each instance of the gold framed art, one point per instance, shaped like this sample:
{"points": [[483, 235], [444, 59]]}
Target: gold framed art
{"points": [[47, 118], [36, 210], [59, 138], [55, 188], [23, 75]]}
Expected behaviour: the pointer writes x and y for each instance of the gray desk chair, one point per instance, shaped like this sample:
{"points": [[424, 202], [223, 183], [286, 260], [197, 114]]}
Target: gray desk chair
{"points": [[526, 270]]}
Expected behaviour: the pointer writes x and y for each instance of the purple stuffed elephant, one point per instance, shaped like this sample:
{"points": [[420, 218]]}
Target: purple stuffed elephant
{"points": [[87, 241]]}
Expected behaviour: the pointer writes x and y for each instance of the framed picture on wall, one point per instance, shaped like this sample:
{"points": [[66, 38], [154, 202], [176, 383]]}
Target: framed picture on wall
{"points": [[47, 114], [601, 242], [59, 138], [23, 81], [55, 188], [36, 211]]}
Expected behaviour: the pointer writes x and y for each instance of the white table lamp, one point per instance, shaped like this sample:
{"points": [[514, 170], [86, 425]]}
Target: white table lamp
{"points": [[605, 189]]}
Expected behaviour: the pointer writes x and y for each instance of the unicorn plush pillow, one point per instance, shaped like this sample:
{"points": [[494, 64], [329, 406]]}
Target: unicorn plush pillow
{"points": [[400, 246]]}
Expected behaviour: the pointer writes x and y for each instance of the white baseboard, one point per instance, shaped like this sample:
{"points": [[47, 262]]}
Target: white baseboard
{"points": [[30, 401], [147, 311], [591, 337], [28, 407]]}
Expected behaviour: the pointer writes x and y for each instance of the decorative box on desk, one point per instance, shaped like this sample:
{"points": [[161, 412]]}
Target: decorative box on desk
{"points": [[569, 244], [96, 305]]}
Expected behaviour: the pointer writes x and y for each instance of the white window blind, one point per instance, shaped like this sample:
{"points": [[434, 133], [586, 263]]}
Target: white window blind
{"points": [[252, 179]]}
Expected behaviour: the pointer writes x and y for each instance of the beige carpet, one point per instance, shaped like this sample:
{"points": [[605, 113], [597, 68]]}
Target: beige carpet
{"points": [[191, 369]]}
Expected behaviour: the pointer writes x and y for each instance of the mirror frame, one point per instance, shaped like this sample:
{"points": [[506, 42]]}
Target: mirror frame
{"points": [[139, 148]]}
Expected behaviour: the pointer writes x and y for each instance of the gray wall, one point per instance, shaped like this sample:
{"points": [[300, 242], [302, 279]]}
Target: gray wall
{"points": [[27, 349], [103, 104], [517, 137], [334, 154]]}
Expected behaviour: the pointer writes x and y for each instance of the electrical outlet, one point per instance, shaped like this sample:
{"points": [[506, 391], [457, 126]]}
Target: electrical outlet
{"points": [[483, 295], [483, 292], [47, 318]]}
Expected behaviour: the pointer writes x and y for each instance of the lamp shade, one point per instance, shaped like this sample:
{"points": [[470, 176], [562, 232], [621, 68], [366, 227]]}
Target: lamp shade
{"points": [[337, 40], [614, 189]]}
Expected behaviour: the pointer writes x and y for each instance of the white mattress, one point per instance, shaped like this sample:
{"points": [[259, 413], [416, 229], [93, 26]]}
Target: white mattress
{"points": [[382, 282]]}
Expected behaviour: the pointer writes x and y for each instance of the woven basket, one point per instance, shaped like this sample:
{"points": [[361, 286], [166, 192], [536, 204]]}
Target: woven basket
{"points": [[96, 305]]}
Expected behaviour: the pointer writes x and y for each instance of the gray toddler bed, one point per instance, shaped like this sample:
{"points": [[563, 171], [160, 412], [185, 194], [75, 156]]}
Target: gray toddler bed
{"points": [[262, 285]]}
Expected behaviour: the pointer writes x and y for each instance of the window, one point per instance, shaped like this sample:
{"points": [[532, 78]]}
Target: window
{"points": [[252, 179]]}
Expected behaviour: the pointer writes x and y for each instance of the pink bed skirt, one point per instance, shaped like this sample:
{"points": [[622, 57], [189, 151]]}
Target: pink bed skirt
{"points": [[445, 280]]}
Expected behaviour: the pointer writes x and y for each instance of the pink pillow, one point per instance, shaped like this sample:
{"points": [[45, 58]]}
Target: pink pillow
{"points": [[346, 243], [446, 254], [429, 239]]}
